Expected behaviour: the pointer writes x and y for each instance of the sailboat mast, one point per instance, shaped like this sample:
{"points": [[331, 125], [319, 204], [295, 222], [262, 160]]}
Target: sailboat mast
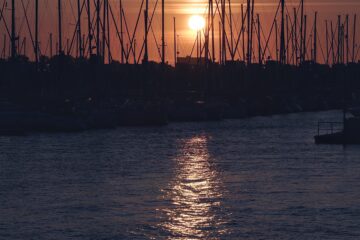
{"points": [[231, 33], [259, 40], [339, 41], [36, 49], [315, 38], [304, 38], [146, 13], [4, 47], [287, 51], [220, 43], [332, 43], [24, 46], [223, 46], [60, 27], [248, 32], [121, 32], [51, 45], [98, 28], [175, 47], [347, 39], [89, 27], [295, 37], [282, 34], [163, 31], [252, 30], [243, 32], [212, 30], [108, 31], [79, 29], [276, 40], [327, 42], [302, 32], [13, 33], [104, 31], [354, 40], [207, 35], [134, 52]]}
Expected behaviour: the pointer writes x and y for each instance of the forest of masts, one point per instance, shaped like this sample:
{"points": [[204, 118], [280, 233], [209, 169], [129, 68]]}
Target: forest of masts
{"points": [[296, 39]]}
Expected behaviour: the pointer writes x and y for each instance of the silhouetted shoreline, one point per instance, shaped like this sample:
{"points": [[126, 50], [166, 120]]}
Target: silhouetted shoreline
{"points": [[109, 95]]}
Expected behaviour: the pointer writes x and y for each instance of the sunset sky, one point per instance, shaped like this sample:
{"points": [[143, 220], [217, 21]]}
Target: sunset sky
{"points": [[181, 9]]}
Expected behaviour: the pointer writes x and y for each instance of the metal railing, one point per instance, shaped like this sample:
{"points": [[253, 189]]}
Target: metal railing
{"points": [[325, 128]]}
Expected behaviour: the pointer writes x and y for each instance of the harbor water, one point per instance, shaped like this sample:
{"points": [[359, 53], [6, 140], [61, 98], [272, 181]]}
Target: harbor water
{"points": [[257, 178]]}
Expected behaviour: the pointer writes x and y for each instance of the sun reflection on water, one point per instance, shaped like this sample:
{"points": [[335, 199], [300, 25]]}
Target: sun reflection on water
{"points": [[195, 195]]}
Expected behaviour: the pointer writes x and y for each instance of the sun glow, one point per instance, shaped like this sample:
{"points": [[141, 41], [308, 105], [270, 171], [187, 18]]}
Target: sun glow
{"points": [[196, 23]]}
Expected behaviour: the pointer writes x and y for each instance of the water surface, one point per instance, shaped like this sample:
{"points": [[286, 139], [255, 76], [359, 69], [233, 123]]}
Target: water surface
{"points": [[258, 178]]}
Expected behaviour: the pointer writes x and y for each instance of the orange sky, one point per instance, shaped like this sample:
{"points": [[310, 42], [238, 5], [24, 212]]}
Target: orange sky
{"points": [[181, 9]]}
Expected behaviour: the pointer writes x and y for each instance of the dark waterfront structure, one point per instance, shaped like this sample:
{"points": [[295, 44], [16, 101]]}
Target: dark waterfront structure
{"points": [[95, 86]]}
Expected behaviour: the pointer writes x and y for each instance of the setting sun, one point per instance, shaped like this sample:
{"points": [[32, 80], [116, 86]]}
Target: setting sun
{"points": [[196, 22]]}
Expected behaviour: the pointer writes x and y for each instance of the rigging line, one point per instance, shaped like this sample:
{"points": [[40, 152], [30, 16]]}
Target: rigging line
{"points": [[328, 50], [228, 17], [290, 37], [291, 27], [47, 46], [93, 25], [298, 26], [230, 21], [254, 53], [310, 38], [72, 10], [156, 42], [333, 43], [193, 49], [116, 27], [257, 35], [76, 29], [238, 32], [202, 49], [134, 33], [103, 26], [357, 53], [321, 48], [151, 28], [226, 38], [209, 26], [92, 29], [128, 51], [4, 20], [195, 42], [28, 24], [150, 24], [264, 37], [292, 32], [242, 31], [23, 19], [271, 29], [204, 30], [2, 9]]}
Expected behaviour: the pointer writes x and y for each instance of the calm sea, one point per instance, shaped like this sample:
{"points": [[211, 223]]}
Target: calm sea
{"points": [[258, 178]]}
